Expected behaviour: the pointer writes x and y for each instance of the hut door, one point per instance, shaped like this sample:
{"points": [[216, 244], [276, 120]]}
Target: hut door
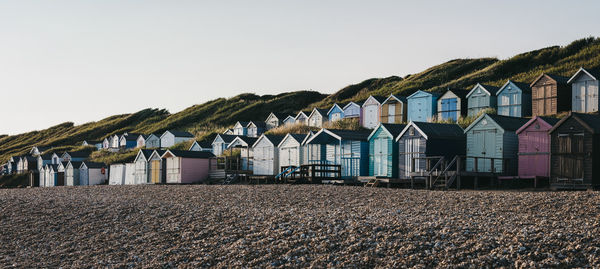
{"points": [[391, 113], [371, 116], [155, 172], [381, 160], [487, 148], [580, 96], [411, 148]]}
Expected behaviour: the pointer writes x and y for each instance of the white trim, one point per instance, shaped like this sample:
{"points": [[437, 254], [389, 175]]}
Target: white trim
{"points": [[233, 141], [371, 97], [478, 84], [418, 92], [259, 138], [301, 112], [506, 84], [323, 130], [477, 121], [306, 137], [138, 156], [351, 103], [395, 97], [579, 71], [334, 105], [285, 138], [377, 128], [408, 127]]}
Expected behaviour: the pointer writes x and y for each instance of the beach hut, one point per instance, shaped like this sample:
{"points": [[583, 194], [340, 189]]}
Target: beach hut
{"points": [[171, 138], [274, 120], [156, 167], [371, 110], [240, 128], [128, 141], [220, 143], [584, 94], [422, 106], [575, 152], [93, 143], [29, 163], [353, 110], [201, 146], [141, 141], [481, 97], [256, 128], [42, 172], [550, 94], [347, 148], [56, 174], [56, 158], [184, 166], [106, 143], [289, 120], [116, 175], [534, 147], [42, 160], [75, 156], [304, 147], [228, 132], [492, 144], [20, 164], [92, 173], [142, 166], [514, 99], [301, 117], [266, 155], [422, 140], [114, 142], [37, 150], [72, 173], [394, 109], [317, 117], [290, 150], [335, 113], [383, 150], [152, 141], [49, 175], [244, 144], [452, 105]]}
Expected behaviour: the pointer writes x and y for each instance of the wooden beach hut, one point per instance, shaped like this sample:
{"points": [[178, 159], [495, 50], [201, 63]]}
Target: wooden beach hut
{"points": [[480, 98], [514, 99], [152, 141], [335, 113], [584, 93], [290, 150], [492, 144], [575, 152], [156, 167], [240, 128], [422, 106], [274, 120], [74, 156], [256, 128], [244, 144], [393, 109], [142, 166], [383, 150], [301, 117], [220, 143], [72, 173], [171, 138], [353, 110], [371, 111], [317, 117], [289, 120], [419, 140], [201, 146], [266, 155], [92, 173], [550, 94], [349, 149], [452, 105], [534, 147], [184, 166]]}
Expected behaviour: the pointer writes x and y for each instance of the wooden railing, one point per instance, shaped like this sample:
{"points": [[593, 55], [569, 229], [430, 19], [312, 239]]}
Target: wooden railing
{"points": [[315, 173]]}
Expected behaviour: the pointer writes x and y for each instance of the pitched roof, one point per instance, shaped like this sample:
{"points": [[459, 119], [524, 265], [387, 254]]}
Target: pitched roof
{"points": [[75, 164], [93, 164], [180, 133], [400, 98], [243, 123], [351, 135], [557, 78], [280, 116], [440, 130], [275, 139], [227, 138], [508, 123], [258, 124], [590, 121], [594, 73], [146, 153], [461, 93], [46, 156], [379, 98], [421, 91], [491, 90], [323, 112], [248, 140], [394, 129], [204, 144], [549, 120], [190, 154]]}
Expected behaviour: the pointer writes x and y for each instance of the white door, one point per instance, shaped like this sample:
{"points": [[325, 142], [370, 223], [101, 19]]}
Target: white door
{"points": [[411, 148], [293, 156], [371, 116], [391, 113]]}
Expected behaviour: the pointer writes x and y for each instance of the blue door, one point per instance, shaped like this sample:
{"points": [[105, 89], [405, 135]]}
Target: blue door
{"points": [[450, 109]]}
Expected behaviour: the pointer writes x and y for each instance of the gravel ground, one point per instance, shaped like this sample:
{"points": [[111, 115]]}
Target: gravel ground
{"points": [[296, 226]]}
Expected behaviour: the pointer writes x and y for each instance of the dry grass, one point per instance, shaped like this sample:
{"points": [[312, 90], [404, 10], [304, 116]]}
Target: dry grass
{"points": [[296, 128]]}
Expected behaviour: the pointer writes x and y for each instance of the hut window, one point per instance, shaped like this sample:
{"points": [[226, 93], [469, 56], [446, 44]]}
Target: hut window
{"points": [[411, 131], [564, 144], [577, 141]]}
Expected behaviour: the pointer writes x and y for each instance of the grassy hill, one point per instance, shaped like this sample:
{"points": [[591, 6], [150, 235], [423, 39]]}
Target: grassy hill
{"points": [[204, 120]]}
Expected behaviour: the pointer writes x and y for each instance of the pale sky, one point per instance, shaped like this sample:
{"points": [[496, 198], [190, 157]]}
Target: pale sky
{"points": [[84, 60]]}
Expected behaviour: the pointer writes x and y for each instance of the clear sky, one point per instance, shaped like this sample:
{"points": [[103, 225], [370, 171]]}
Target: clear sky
{"points": [[84, 60]]}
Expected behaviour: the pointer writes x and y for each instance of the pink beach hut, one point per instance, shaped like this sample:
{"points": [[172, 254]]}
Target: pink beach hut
{"points": [[184, 166], [534, 148]]}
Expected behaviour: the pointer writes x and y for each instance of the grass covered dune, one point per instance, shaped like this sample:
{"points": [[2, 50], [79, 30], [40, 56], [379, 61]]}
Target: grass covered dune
{"points": [[295, 226]]}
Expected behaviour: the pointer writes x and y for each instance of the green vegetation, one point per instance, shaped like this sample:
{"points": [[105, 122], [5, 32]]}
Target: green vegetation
{"points": [[107, 157], [296, 128], [344, 124], [213, 117]]}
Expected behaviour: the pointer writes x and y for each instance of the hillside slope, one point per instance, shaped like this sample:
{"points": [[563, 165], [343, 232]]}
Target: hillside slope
{"points": [[213, 116]]}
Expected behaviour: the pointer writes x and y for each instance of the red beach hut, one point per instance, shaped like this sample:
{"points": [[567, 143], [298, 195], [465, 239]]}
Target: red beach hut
{"points": [[534, 147]]}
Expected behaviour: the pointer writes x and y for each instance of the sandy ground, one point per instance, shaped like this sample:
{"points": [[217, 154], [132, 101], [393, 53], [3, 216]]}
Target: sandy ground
{"points": [[295, 226]]}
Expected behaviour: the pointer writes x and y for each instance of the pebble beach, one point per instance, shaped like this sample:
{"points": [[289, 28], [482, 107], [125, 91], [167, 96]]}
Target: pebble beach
{"points": [[296, 226]]}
